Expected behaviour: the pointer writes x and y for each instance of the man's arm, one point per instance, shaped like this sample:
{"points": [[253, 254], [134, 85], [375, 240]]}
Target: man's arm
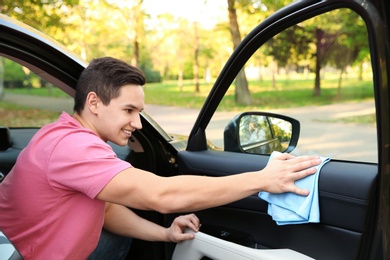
{"points": [[122, 221], [139, 189]]}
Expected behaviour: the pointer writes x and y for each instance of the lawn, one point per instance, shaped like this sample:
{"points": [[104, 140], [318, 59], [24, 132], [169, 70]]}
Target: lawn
{"points": [[20, 116], [286, 93]]}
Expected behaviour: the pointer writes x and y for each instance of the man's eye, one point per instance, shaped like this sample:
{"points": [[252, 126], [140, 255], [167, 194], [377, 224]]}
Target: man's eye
{"points": [[129, 110]]}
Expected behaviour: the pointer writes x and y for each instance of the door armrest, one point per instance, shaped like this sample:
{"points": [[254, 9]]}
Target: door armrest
{"points": [[205, 245]]}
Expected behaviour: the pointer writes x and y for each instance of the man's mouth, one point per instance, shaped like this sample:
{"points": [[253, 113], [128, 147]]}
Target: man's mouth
{"points": [[128, 132]]}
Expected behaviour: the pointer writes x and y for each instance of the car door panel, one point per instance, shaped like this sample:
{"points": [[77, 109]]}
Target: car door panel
{"points": [[346, 195], [349, 192], [206, 245], [19, 137], [315, 240]]}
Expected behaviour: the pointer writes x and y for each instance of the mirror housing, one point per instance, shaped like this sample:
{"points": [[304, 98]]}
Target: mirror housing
{"points": [[261, 133]]}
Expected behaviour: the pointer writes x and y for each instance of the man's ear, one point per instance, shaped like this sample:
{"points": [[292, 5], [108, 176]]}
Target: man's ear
{"points": [[92, 102]]}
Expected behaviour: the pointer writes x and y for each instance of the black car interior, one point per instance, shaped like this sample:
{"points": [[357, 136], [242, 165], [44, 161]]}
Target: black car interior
{"points": [[12, 142], [347, 198], [347, 202]]}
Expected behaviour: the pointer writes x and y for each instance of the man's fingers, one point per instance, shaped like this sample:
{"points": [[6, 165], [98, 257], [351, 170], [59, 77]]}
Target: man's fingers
{"points": [[305, 162], [194, 222], [306, 172], [191, 221], [301, 191], [284, 156], [308, 165], [192, 226]]}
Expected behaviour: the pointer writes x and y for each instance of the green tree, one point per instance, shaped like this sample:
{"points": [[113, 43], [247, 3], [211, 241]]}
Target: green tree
{"points": [[44, 15], [336, 38], [163, 43], [289, 47], [131, 16], [242, 95], [351, 47], [40, 14]]}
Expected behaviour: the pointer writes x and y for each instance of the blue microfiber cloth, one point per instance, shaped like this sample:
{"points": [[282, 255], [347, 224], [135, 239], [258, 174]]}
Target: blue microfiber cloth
{"points": [[290, 208]]}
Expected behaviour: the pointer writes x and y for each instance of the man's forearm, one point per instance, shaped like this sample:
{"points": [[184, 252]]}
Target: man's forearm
{"points": [[122, 221]]}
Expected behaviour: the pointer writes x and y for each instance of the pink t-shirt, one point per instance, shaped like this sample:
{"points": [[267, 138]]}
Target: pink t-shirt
{"points": [[48, 204]]}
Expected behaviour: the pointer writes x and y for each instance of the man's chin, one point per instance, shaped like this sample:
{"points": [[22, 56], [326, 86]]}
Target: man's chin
{"points": [[121, 142]]}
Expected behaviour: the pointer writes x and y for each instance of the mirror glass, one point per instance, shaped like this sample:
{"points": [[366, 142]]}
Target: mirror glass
{"points": [[263, 134]]}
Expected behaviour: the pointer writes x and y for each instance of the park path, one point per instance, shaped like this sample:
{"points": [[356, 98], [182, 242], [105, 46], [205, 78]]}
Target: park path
{"points": [[316, 125]]}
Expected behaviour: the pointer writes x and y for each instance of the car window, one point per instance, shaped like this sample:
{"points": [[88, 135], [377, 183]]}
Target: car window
{"points": [[318, 72], [27, 100]]}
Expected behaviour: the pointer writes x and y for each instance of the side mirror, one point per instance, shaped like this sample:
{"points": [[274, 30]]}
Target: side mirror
{"points": [[261, 133], [7, 249]]}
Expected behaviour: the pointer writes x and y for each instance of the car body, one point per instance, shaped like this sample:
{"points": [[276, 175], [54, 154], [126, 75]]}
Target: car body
{"points": [[354, 194]]}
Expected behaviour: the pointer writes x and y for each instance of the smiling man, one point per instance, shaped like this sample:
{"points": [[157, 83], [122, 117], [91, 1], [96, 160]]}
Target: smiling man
{"points": [[68, 183]]}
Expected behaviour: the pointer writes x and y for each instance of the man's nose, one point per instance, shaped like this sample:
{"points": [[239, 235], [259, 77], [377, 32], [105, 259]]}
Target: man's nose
{"points": [[136, 122]]}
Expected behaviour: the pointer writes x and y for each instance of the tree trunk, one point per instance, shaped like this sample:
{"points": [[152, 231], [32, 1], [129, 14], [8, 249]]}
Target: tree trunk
{"points": [[340, 81], [361, 71], [242, 91], [180, 80], [138, 30], [135, 60], [317, 81], [196, 57], [274, 71], [242, 95]]}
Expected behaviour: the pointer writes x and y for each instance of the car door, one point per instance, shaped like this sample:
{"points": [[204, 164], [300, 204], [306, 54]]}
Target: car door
{"points": [[353, 186], [45, 61]]}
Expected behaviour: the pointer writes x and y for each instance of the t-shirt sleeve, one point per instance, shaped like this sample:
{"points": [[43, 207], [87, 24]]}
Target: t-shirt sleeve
{"points": [[83, 162]]}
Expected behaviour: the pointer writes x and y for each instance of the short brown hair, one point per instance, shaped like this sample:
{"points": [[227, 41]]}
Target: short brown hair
{"points": [[105, 76]]}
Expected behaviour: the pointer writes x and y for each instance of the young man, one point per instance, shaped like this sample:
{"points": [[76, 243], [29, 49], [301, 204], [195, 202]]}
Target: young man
{"points": [[68, 183]]}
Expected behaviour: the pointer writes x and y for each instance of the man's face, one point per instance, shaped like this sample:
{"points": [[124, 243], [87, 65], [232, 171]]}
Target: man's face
{"points": [[121, 117]]}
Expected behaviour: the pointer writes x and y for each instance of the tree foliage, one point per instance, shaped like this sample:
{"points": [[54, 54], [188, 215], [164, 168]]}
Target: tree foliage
{"points": [[178, 48], [337, 38], [40, 14]]}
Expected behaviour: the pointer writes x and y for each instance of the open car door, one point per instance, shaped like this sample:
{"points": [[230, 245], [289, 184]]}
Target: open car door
{"points": [[354, 185]]}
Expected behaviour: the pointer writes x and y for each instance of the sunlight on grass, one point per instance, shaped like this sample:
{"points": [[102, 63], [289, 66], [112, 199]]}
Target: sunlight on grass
{"points": [[287, 93], [20, 116], [299, 93], [169, 94], [53, 92], [363, 119]]}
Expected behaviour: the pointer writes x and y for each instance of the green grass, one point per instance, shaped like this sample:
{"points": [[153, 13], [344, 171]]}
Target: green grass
{"points": [[22, 116], [286, 94], [53, 92], [364, 119]]}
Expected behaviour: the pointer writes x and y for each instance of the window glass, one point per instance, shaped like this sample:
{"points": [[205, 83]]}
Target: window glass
{"points": [[27, 100], [318, 72]]}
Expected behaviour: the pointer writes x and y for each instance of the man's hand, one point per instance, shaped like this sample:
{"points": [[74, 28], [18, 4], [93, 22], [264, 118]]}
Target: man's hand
{"points": [[283, 170], [175, 232]]}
